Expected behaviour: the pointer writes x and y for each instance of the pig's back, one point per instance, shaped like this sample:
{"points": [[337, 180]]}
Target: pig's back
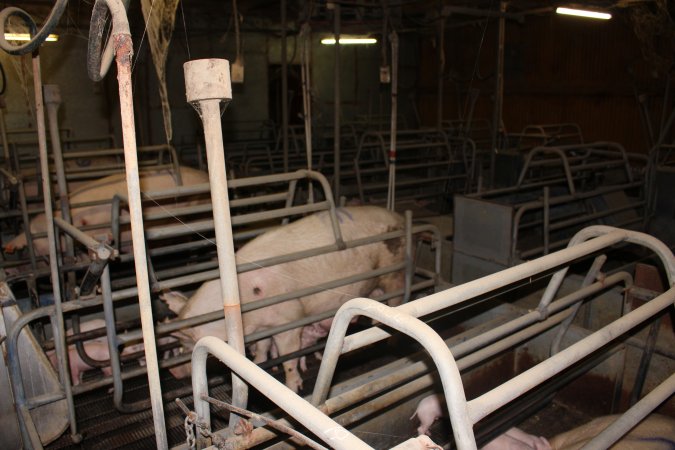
{"points": [[316, 231]]}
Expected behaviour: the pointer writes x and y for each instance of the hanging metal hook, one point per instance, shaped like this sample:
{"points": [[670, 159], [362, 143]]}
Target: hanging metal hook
{"points": [[98, 63]]}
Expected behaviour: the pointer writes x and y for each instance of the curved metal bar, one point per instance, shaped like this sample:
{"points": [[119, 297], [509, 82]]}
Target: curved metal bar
{"points": [[315, 420], [557, 151], [440, 353], [38, 36], [597, 231], [98, 64]]}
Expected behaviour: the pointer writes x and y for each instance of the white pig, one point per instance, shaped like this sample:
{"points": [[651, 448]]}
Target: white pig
{"points": [[428, 410], [104, 189], [309, 232]]}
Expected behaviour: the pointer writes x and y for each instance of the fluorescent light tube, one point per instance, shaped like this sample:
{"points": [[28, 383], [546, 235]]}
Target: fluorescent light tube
{"points": [[349, 41], [583, 13], [26, 37]]}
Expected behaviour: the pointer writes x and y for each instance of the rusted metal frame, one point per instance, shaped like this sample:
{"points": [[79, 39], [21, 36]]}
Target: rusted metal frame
{"points": [[337, 17], [316, 421]]}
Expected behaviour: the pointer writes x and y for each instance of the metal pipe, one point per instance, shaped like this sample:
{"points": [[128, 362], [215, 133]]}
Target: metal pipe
{"points": [[590, 277], [123, 50], [284, 86], [307, 100], [391, 190], [547, 215], [409, 263], [422, 333], [441, 69], [336, 100], [26, 225], [628, 420], [3, 134], [207, 83], [316, 421], [59, 338], [498, 397], [499, 91]]}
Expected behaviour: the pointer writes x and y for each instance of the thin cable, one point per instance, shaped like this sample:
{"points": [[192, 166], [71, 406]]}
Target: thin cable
{"points": [[187, 43], [475, 66], [145, 30]]}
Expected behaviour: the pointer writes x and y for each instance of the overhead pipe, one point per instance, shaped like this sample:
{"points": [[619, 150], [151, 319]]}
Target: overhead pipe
{"points": [[122, 47], [207, 83]]}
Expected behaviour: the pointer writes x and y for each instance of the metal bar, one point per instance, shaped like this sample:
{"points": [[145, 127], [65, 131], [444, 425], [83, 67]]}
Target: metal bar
{"points": [[336, 100], [645, 359], [207, 83], [499, 91], [409, 263], [59, 337], [633, 416], [547, 218], [391, 190], [123, 55], [498, 397], [316, 421], [284, 86], [422, 333]]}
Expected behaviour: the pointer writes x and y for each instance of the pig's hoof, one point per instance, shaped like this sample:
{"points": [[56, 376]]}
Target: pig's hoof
{"points": [[303, 364]]}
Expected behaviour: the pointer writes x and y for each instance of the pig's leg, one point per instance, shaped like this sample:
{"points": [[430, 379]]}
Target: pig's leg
{"points": [[390, 283], [289, 342], [536, 442], [262, 350]]}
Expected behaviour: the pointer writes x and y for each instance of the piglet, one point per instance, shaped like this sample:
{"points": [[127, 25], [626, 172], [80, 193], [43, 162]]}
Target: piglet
{"points": [[428, 410]]}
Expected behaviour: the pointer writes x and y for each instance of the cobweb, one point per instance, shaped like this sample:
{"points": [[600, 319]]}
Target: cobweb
{"points": [[159, 17], [655, 29]]}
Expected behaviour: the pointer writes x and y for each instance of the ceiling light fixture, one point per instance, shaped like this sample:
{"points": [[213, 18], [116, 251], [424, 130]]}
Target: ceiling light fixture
{"points": [[583, 13], [349, 41], [26, 37]]}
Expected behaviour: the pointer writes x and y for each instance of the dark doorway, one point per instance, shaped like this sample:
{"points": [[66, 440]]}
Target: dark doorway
{"points": [[294, 94]]}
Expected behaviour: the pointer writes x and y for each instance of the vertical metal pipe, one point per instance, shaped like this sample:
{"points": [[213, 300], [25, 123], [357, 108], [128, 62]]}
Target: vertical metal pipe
{"points": [[499, 91], [3, 134], [26, 227], [408, 257], [336, 109], [52, 96], [284, 86], [547, 218], [441, 69], [123, 55], [391, 192], [307, 101], [59, 341], [207, 83]]}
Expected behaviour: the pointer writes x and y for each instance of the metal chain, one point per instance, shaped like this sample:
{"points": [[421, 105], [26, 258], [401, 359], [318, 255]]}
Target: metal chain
{"points": [[189, 432]]}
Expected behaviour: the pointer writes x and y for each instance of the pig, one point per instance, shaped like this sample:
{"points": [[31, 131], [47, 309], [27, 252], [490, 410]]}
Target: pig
{"points": [[97, 349], [306, 233], [32, 188], [654, 432], [517, 439], [104, 189], [433, 407], [428, 410]]}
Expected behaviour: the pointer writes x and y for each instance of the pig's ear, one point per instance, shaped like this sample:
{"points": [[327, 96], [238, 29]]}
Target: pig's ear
{"points": [[174, 300]]}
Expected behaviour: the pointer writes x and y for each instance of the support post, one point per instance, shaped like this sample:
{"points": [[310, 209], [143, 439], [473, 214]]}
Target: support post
{"points": [[336, 101], [207, 83], [499, 91]]}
